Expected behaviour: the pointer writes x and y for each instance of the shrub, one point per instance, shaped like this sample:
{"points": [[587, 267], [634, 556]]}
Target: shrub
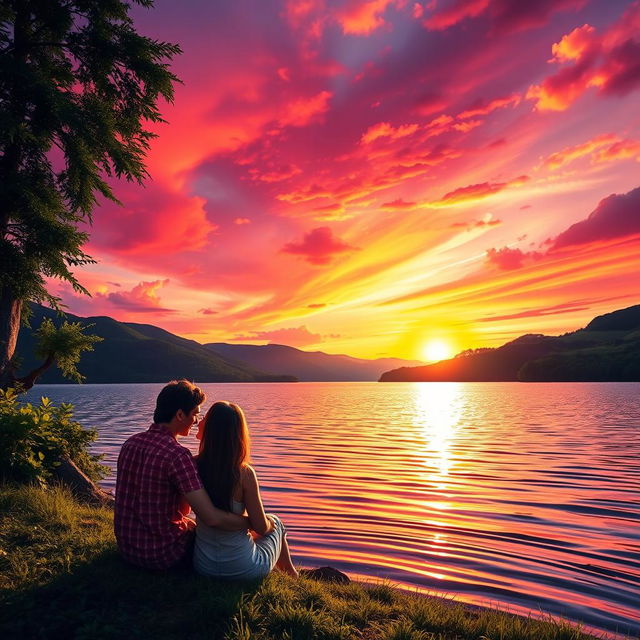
{"points": [[33, 439]]}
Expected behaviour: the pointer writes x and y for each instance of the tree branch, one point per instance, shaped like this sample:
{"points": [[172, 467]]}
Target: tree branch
{"points": [[27, 382]]}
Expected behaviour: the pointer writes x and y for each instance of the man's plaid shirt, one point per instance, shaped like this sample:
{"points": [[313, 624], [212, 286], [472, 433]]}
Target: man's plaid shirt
{"points": [[154, 473]]}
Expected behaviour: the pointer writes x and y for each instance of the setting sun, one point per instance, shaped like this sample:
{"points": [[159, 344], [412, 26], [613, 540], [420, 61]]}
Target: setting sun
{"points": [[436, 350]]}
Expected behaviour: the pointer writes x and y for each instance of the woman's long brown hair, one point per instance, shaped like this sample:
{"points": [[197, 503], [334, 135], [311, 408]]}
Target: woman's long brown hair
{"points": [[224, 448]]}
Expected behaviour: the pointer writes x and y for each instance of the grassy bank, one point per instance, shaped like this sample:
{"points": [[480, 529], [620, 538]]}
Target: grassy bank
{"points": [[60, 577]]}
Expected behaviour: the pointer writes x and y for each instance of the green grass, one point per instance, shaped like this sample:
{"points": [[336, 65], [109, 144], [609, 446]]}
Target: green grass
{"points": [[61, 577]]}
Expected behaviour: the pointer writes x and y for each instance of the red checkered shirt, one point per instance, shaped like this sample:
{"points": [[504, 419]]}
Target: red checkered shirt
{"points": [[154, 473]]}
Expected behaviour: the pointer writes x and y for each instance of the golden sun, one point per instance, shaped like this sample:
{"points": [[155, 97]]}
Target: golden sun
{"points": [[435, 350]]}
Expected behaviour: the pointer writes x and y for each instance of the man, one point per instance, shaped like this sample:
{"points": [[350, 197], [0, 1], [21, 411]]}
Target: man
{"points": [[157, 483]]}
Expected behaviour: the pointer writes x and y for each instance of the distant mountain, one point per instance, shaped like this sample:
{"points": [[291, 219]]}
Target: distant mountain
{"points": [[308, 366], [134, 352], [607, 349]]}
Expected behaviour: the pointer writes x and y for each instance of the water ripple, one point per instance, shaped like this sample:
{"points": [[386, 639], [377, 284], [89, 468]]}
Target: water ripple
{"points": [[521, 496]]}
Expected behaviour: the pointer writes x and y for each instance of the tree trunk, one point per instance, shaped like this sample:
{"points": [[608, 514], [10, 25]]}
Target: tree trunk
{"points": [[82, 486], [10, 310]]}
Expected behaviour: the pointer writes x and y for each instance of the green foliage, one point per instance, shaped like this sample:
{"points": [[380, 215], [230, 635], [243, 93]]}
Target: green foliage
{"points": [[33, 438], [78, 88], [64, 345]]}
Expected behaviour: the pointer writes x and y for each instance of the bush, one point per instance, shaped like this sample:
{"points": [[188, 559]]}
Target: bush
{"points": [[33, 439]]}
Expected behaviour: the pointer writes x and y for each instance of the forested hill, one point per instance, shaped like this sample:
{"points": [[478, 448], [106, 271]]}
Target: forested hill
{"points": [[307, 365], [607, 349], [139, 353]]}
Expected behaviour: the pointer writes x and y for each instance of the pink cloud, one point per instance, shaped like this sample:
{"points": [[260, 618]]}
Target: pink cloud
{"points": [[455, 12], [302, 111], [506, 15], [276, 175], [565, 307], [616, 216], [208, 311], [141, 299], [151, 220], [318, 246], [483, 107], [509, 259], [398, 205]]}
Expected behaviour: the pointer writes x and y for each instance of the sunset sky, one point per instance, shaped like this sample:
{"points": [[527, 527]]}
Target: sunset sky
{"points": [[370, 177]]}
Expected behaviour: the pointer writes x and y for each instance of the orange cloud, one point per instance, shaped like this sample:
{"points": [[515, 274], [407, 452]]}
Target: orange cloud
{"points": [[601, 149], [467, 126], [609, 62], [486, 221], [619, 150], [573, 45], [141, 299], [385, 130], [476, 192], [483, 108], [362, 17], [292, 336], [560, 158], [334, 211]]}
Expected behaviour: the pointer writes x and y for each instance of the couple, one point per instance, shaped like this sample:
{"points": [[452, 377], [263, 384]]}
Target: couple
{"points": [[159, 482]]}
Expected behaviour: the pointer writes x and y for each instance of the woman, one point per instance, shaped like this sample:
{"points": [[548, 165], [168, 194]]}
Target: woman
{"points": [[232, 485]]}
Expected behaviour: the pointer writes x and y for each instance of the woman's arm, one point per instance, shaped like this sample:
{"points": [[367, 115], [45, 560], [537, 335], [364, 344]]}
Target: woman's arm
{"points": [[212, 516], [253, 502]]}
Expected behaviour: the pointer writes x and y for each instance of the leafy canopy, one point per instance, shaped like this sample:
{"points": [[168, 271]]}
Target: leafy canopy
{"points": [[78, 86], [64, 345], [33, 439]]}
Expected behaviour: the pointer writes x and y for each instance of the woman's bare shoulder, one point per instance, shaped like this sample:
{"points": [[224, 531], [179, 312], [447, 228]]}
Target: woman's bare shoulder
{"points": [[247, 472], [248, 477]]}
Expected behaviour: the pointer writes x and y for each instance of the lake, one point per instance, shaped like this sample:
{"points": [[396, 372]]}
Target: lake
{"points": [[520, 496]]}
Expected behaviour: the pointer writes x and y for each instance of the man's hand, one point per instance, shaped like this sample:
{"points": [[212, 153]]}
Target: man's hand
{"points": [[201, 504]]}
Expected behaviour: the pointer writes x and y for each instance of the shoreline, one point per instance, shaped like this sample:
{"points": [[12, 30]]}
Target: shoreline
{"points": [[59, 559], [520, 612]]}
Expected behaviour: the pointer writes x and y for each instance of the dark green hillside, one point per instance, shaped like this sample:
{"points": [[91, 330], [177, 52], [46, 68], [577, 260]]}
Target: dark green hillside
{"points": [[622, 320], [607, 349], [140, 353]]}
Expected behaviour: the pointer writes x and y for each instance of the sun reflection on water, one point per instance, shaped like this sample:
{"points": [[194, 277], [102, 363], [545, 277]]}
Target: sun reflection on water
{"points": [[437, 412]]}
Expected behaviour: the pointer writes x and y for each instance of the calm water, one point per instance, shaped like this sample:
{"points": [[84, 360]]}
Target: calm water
{"points": [[521, 496]]}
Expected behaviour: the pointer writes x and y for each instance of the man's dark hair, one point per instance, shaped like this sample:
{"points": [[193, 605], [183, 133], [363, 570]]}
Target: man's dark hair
{"points": [[178, 394]]}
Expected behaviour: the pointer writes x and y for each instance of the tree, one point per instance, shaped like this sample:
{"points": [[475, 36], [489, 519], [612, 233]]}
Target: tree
{"points": [[60, 345], [78, 87]]}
